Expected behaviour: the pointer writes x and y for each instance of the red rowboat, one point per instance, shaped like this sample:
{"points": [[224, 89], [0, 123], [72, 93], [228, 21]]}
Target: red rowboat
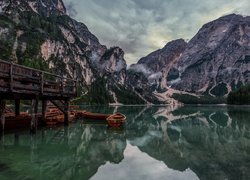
{"points": [[96, 116], [116, 120]]}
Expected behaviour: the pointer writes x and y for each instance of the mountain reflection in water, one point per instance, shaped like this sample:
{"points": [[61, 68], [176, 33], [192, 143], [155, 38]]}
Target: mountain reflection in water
{"points": [[187, 142]]}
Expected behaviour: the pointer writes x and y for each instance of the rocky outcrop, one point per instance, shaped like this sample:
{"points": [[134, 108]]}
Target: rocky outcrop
{"points": [[43, 7], [150, 73], [113, 63], [67, 46], [212, 64], [216, 60]]}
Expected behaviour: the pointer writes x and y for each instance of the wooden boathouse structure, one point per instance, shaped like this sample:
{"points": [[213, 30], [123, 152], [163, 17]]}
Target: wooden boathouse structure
{"points": [[22, 83]]}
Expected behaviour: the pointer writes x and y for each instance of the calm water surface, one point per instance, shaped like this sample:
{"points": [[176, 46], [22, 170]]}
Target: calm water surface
{"points": [[208, 142]]}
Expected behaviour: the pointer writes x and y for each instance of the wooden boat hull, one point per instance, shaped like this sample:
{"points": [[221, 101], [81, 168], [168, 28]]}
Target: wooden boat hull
{"points": [[95, 116], [13, 122], [78, 113], [58, 119], [54, 116], [116, 120]]}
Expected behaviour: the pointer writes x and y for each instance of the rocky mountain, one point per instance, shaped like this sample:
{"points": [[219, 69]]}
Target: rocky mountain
{"points": [[212, 64], [149, 75], [216, 60], [40, 34]]}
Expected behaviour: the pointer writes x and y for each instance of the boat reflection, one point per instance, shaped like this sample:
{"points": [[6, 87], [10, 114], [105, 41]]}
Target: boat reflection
{"points": [[209, 141]]}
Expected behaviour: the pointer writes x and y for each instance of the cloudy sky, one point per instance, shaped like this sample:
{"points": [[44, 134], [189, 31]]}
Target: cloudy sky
{"points": [[142, 26]]}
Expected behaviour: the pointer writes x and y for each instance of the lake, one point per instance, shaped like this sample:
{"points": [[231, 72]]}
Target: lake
{"points": [[157, 142]]}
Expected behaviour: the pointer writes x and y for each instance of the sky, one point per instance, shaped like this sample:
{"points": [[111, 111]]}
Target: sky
{"points": [[140, 27]]}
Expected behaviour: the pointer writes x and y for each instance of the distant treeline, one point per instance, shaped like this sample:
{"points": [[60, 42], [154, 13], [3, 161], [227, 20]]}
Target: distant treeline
{"points": [[190, 99], [99, 94], [240, 96]]}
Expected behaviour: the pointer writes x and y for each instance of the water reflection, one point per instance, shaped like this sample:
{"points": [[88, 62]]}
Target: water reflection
{"points": [[157, 142]]}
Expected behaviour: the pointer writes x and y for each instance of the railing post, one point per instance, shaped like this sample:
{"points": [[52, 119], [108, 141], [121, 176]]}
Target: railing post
{"points": [[42, 82], [11, 77]]}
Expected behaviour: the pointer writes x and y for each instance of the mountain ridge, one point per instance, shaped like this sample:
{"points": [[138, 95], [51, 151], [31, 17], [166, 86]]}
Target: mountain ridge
{"points": [[39, 32], [212, 64]]}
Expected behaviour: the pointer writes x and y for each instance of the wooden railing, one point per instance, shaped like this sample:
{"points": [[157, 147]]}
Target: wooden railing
{"points": [[21, 79]]}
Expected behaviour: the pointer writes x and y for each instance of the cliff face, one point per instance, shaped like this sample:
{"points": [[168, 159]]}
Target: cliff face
{"points": [[216, 60], [212, 64], [155, 66], [41, 34], [42, 7], [149, 75], [42, 30]]}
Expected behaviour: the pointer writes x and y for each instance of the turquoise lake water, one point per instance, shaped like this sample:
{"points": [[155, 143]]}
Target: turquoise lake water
{"points": [[189, 142]]}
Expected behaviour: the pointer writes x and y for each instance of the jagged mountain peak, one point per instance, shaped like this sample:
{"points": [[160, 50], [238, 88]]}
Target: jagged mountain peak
{"points": [[169, 49], [37, 32], [213, 63], [233, 18], [216, 60], [149, 74], [230, 19], [173, 43], [43, 7]]}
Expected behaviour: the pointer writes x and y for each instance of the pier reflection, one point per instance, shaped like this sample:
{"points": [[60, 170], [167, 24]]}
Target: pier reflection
{"points": [[210, 141]]}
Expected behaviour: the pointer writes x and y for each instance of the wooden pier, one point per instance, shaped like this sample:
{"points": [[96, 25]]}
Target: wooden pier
{"points": [[23, 83]]}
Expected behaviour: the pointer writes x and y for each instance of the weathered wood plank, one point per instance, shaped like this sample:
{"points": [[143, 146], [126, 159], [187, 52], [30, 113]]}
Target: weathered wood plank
{"points": [[19, 82], [19, 86], [4, 83]]}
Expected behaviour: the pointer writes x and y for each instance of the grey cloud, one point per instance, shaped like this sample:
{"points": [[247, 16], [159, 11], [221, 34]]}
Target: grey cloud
{"points": [[70, 6], [142, 26]]}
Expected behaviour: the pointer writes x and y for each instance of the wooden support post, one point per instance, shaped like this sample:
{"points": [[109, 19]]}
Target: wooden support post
{"points": [[2, 117], [44, 109], [34, 115], [66, 113], [17, 107]]}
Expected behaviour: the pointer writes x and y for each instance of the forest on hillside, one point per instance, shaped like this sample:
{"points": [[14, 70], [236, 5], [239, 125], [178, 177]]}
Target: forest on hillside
{"points": [[240, 96]]}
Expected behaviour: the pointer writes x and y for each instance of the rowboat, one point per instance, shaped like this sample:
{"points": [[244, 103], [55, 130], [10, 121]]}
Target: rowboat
{"points": [[78, 113], [13, 122], [53, 119], [116, 120], [96, 116]]}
